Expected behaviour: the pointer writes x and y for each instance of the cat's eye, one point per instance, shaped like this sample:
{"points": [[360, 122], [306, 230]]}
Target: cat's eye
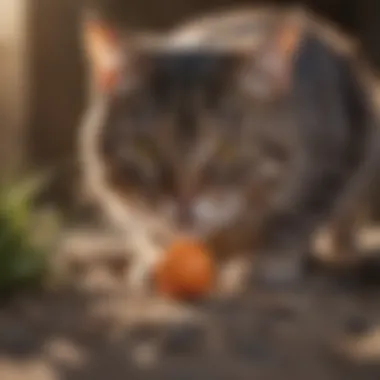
{"points": [[138, 166], [138, 155]]}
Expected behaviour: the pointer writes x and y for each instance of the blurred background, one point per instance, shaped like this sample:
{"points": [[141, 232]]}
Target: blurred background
{"points": [[84, 330], [42, 73]]}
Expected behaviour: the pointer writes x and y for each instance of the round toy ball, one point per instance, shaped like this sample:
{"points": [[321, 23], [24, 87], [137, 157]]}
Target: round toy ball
{"points": [[186, 271]]}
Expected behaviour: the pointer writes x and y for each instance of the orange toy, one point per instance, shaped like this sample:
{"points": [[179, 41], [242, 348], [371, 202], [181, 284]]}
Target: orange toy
{"points": [[186, 271]]}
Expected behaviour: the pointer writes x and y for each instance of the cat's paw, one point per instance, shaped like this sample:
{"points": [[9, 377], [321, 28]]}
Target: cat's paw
{"points": [[232, 277], [141, 269], [139, 278]]}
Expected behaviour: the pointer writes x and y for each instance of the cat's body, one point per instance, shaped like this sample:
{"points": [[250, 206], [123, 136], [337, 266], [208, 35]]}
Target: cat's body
{"points": [[232, 127]]}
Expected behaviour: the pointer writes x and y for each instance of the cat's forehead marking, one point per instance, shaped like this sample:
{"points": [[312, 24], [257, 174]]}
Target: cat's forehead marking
{"points": [[189, 65], [182, 82]]}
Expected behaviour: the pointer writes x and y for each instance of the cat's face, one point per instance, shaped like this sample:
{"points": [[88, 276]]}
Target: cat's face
{"points": [[188, 140]]}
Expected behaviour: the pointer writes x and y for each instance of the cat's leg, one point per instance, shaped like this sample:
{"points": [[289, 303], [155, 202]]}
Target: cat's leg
{"points": [[145, 239], [339, 243], [144, 258], [139, 241], [336, 245], [331, 197], [333, 144], [232, 275], [304, 206], [140, 246]]}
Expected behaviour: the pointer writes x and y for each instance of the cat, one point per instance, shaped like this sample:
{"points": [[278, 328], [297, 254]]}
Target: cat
{"points": [[241, 128]]}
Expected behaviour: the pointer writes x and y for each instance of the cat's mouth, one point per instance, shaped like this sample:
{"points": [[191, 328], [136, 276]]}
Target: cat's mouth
{"points": [[155, 235]]}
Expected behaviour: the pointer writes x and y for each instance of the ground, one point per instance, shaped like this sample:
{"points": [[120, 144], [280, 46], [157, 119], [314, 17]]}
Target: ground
{"points": [[325, 329]]}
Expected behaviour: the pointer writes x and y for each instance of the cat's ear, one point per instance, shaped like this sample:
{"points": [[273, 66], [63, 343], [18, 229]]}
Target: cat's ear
{"points": [[106, 51], [268, 71]]}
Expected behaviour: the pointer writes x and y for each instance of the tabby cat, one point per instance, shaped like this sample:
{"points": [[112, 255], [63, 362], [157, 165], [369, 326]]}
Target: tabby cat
{"points": [[241, 128]]}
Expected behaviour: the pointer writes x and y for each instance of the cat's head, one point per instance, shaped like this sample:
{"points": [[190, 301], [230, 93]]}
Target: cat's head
{"points": [[198, 137]]}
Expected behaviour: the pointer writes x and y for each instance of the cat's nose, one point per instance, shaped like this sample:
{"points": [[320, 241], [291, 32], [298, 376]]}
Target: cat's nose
{"points": [[185, 217], [194, 228], [186, 221]]}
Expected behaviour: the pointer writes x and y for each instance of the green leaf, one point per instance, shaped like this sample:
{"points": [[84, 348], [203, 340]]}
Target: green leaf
{"points": [[27, 236]]}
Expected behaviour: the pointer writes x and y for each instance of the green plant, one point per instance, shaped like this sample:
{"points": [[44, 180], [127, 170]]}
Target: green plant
{"points": [[27, 236]]}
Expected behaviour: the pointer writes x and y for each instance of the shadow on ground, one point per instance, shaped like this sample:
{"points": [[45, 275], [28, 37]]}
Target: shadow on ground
{"points": [[325, 329]]}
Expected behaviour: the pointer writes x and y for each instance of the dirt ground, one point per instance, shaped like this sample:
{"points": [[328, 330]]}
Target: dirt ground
{"points": [[325, 329]]}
